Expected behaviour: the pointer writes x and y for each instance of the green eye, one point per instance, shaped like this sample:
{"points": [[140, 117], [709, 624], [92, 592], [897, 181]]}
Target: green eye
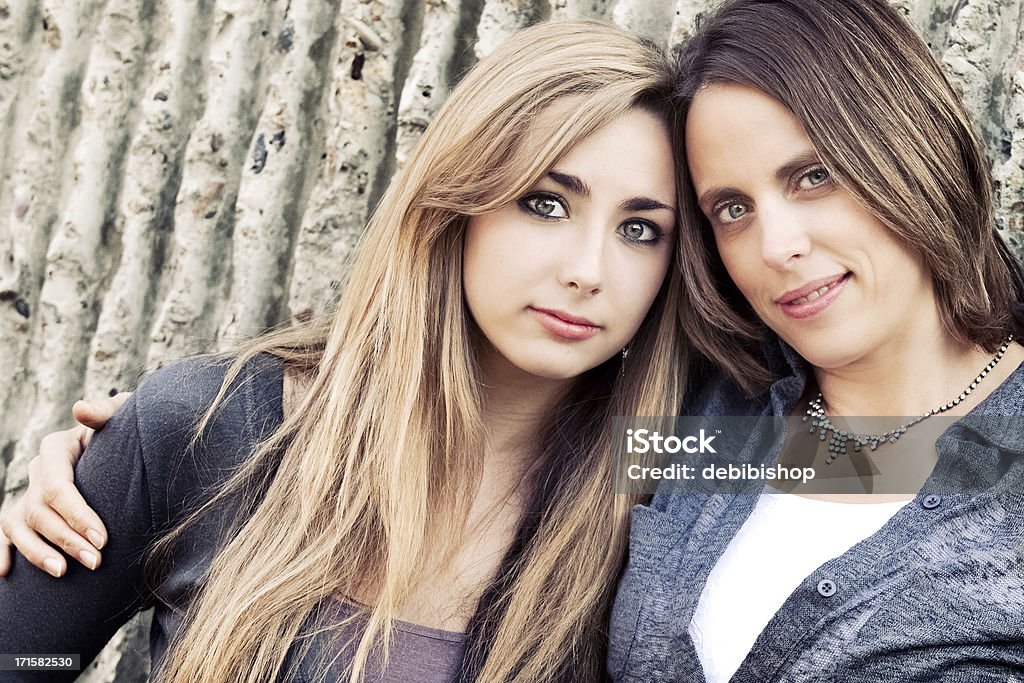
{"points": [[544, 206], [640, 232]]}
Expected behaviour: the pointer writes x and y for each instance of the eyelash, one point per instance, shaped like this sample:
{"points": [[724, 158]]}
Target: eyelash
{"points": [[658, 232], [525, 204], [815, 169], [722, 205]]}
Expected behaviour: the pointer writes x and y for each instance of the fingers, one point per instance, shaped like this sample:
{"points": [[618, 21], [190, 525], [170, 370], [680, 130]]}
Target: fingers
{"points": [[58, 454], [23, 526], [52, 488], [31, 546], [95, 413], [47, 525], [52, 509]]}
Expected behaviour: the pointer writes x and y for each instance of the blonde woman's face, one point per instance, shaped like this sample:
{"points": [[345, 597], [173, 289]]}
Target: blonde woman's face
{"points": [[816, 266], [560, 280]]}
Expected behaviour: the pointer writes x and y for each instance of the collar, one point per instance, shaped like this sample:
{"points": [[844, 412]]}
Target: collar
{"points": [[791, 369], [999, 419]]}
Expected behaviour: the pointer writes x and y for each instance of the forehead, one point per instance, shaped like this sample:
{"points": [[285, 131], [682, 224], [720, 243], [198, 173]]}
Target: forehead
{"points": [[630, 155], [735, 131]]}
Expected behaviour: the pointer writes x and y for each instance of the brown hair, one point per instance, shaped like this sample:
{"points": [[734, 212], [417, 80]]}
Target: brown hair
{"points": [[371, 475], [889, 127]]}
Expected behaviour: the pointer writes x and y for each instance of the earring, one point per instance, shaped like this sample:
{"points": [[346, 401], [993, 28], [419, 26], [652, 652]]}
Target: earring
{"points": [[625, 354]]}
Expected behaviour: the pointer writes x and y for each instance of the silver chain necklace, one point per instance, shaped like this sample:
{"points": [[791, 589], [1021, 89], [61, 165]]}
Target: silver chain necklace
{"points": [[839, 439]]}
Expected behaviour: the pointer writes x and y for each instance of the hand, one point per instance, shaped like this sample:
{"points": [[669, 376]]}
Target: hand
{"points": [[51, 508]]}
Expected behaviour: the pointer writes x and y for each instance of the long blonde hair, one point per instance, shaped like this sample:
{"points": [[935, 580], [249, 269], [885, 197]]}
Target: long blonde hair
{"points": [[374, 468]]}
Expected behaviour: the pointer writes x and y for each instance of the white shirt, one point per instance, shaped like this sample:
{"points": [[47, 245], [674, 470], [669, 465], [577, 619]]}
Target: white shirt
{"points": [[784, 540]]}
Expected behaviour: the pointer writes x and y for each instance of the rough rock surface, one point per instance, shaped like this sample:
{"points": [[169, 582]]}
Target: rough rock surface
{"points": [[177, 175]]}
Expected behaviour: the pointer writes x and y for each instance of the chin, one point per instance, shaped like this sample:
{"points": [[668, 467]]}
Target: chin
{"points": [[554, 367], [826, 356], [546, 371], [822, 350]]}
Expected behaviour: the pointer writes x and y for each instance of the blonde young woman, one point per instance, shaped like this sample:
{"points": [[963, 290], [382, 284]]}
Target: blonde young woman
{"points": [[418, 487]]}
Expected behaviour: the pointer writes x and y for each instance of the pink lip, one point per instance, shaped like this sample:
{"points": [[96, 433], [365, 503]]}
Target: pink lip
{"points": [[836, 284], [565, 325]]}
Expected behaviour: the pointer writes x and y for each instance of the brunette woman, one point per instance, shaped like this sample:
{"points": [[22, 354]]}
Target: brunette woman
{"points": [[837, 197]]}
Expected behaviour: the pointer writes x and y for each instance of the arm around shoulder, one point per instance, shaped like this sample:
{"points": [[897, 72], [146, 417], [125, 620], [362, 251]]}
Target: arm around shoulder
{"points": [[137, 478]]}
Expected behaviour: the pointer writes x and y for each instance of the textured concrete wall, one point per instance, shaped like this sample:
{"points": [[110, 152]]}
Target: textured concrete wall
{"points": [[178, 174]]}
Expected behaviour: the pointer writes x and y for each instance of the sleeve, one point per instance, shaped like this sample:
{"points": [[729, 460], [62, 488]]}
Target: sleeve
{"points": [[40, 615], [141, 478]]}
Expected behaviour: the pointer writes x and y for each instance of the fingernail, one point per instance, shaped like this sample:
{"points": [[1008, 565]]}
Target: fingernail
{"points": [[52, 566], [88, 559], [95, 537]]}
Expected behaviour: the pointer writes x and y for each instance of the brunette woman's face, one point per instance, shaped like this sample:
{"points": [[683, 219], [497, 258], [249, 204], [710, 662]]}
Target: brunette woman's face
{"points": [[560, 280], [816, 266]]}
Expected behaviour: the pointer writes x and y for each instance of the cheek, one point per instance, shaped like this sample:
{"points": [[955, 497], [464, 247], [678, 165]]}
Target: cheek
{"points": [[638, 285], [481, 269], [499, 267], [740, 263]]}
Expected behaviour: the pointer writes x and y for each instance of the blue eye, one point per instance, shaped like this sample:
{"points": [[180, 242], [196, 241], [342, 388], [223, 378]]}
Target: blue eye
{"points": [[730, 212], [816, 177], [640, 232], [544, 206]]}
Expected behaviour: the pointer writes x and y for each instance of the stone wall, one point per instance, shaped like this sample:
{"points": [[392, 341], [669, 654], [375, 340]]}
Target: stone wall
{"points": [[177, 175]]}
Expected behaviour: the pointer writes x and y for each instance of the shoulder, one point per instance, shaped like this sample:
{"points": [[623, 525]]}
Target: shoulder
{"points": [[713, 394], [1008, 397], [171, 402], [186, 388]]}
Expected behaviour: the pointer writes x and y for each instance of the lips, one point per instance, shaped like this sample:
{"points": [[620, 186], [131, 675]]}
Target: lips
{"points": [[813, 297], [565, 325]]}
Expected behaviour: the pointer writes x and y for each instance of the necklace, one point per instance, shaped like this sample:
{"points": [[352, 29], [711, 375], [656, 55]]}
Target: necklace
{"points": [[839, 439]]}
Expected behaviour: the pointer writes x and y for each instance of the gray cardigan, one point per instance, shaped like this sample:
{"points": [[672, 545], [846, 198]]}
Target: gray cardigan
{"points": [[141, 478], [937, 595]]}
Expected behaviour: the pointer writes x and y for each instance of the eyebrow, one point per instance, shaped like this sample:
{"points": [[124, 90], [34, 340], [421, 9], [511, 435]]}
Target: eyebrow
{"points": [[795, 164], [784, 172], [708, 200], [574, 184], [644, 204], [578, 186]]}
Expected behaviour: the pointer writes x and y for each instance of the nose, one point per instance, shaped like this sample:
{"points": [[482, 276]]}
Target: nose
{"points": [[784, 237], [582, 266]]}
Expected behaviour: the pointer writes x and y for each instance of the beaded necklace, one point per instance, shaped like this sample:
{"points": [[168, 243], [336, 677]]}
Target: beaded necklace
{"points": [[838, 439]]}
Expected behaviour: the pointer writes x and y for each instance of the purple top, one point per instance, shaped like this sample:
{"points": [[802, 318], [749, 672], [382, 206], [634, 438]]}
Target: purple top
{"points": [[418, 653]]}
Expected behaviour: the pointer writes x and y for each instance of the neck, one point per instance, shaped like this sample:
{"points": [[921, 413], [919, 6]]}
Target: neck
{"points": [[515, 406], [908, 378]]}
